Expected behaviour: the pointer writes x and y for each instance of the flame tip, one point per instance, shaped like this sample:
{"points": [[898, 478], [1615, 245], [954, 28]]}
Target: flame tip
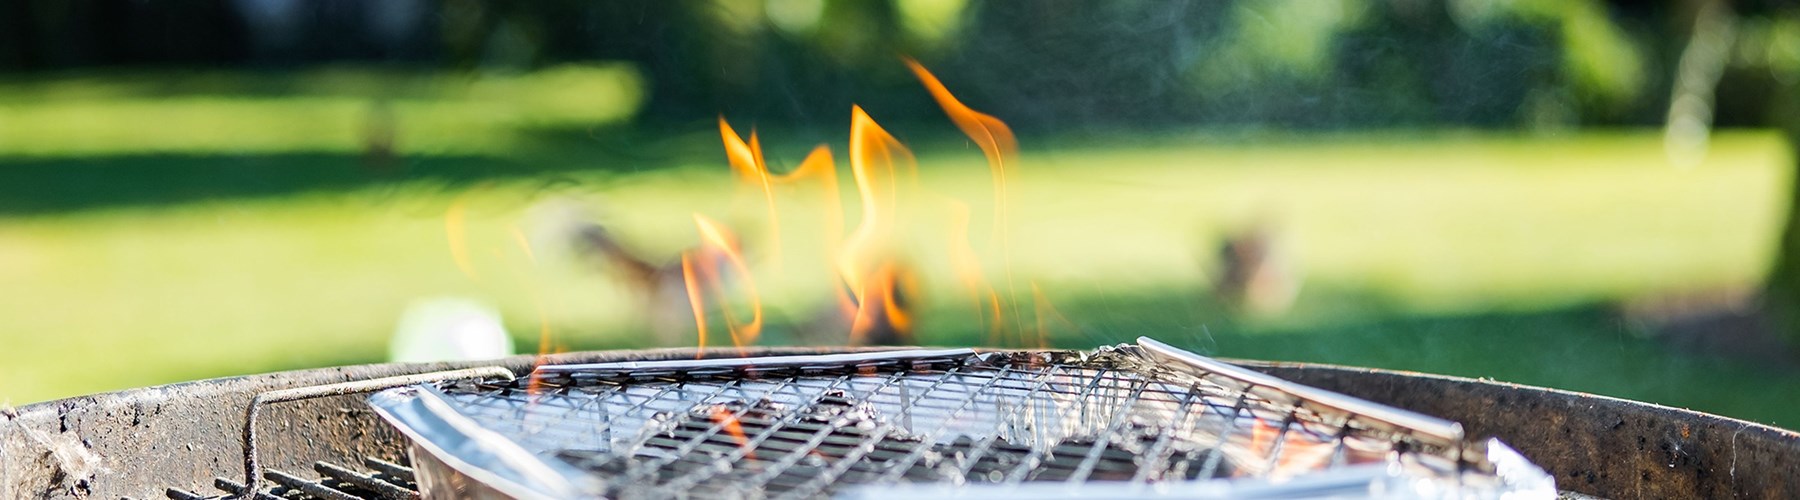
{"points": [[877, 290]]}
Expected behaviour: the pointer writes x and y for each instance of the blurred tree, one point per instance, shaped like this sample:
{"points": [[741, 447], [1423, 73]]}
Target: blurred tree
{"points": [[1738, 63], [794, 62], [52, 34], [1075, 64], [1769, 58], [1418, 64], [1057, 64]]}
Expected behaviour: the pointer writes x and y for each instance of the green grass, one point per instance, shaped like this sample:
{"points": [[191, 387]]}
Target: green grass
{"points": [[135, 261]]}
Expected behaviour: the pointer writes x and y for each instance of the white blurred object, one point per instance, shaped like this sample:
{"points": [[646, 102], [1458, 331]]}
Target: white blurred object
{"points": [[449, 329]]}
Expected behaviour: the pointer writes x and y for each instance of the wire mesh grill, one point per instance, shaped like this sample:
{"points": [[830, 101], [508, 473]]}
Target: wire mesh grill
{"points": [[1004, 419], [384, 480]]}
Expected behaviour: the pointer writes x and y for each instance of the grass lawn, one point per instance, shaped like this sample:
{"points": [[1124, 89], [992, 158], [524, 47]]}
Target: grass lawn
{"points": [[1469, 254]]}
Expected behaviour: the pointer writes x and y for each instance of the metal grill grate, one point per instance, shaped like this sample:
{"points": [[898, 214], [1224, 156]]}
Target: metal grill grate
{"points": [[802, 428], [384, 480]]}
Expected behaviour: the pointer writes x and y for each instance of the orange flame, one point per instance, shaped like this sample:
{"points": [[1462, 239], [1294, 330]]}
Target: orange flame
{"points": [[875, 157], [1299, 451], [883, 311], [1249, 450], [997, 143], [728, 421], [820, 169], [741, 333], [817, 172], [544, 350], [1262, 435], [747, 165], [877, 290], [879, 287], [700, 271], [967, 267], [690, 278], [1299, 454], [454, 230], [536, 384], [752, 172], [990, 134]]}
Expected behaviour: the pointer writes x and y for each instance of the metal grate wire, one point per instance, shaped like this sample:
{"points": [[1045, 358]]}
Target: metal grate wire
{"points": [[994, 419], [383, 481]]}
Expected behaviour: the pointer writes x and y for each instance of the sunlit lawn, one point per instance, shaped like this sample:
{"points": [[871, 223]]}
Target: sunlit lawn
{"points": [[1470, 254]]}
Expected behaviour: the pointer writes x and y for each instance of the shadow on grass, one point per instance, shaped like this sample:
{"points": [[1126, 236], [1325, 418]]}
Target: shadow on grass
{"points": [[32, 186], [51, 185], [43, 185]]}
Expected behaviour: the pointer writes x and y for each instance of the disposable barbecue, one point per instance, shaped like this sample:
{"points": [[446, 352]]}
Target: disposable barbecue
{"points": [[1098, 416], [1126, 420]]}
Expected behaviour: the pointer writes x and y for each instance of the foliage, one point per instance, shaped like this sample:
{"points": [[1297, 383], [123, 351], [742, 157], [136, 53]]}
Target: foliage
{"points": [[323, 110]]}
